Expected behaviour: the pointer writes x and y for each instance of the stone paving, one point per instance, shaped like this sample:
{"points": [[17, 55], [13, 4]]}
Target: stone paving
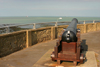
{"points": [[90, 61], [29, 56]]}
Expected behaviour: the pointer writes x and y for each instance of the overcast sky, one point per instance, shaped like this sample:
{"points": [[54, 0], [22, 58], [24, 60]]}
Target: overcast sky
{"points": [[83, 8]]}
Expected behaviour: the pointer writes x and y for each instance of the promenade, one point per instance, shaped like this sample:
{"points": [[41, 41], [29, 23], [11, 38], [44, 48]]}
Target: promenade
{"points": [[29, 56]]}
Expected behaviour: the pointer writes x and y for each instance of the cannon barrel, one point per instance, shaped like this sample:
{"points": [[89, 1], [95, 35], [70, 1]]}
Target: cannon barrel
{"points": [[69, 34]]}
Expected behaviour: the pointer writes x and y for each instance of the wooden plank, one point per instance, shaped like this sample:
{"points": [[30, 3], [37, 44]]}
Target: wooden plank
{"points": [[69, 47], [67, 56], [56, 51]]}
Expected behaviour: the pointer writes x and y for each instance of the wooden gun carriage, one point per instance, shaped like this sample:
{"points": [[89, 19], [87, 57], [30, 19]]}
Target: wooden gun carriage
{"points": [[68, 46]]}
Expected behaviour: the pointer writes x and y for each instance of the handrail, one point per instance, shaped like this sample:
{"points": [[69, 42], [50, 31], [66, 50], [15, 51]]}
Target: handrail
{"points": [[46, 23], [34, 24]]}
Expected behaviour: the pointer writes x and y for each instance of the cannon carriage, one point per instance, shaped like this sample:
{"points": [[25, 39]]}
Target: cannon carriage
{"points": [[68, 45]]}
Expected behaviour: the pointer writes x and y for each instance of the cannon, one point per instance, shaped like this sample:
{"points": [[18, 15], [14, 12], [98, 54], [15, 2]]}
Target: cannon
{"points": [[68, 45], [69, 34]]}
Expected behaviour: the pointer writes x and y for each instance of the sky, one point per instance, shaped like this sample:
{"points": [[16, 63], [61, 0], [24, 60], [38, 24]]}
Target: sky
{"points": [[83, 8]]}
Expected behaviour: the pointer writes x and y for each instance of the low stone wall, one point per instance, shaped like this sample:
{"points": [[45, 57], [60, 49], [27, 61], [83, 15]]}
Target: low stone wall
{"points": [[12, 42], [97, 26], [81, 27], [40, 35], [60, 29], [22, 39], [85, 28]]}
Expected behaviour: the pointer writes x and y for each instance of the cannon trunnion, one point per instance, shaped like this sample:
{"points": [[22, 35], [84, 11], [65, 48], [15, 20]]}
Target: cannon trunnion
{"points": [[68, 46]]}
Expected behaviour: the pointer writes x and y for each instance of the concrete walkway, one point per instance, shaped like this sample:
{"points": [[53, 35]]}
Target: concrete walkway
{"points": [[90, 61], [29, 56]]}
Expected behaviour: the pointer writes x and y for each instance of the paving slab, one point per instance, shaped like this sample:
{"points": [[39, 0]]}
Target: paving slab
{"points": [[45, 61], [28, 56]]}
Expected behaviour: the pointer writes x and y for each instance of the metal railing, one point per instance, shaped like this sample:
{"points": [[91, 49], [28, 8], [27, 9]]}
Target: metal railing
{"points": [[12, 28]]}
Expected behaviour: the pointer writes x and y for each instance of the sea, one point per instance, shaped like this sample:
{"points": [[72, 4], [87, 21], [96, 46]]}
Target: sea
{"points": [[10, 22], [28, 20]]}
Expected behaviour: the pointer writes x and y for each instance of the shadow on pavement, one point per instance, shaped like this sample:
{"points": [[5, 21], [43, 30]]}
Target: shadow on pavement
{"points": [[85, 48]]}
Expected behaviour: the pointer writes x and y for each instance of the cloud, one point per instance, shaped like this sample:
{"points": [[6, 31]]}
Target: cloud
{"points": [[63, 8], [1, 0], [91, 0]]}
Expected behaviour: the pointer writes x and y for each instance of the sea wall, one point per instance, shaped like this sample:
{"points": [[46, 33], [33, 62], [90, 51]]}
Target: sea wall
{"points": [[15, 41], [12, 42]]}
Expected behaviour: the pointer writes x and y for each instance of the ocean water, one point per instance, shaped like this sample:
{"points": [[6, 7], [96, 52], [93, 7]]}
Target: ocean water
{"points": [[28, 20], [10, 21]]}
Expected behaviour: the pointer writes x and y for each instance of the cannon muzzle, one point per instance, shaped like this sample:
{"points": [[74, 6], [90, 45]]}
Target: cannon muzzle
{"points": [[69, 34]]}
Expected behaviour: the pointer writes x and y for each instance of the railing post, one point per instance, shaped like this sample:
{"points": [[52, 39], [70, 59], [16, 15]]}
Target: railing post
{"points": [[56, 24], [84, 26], [52, 33], [34, 26], [93, 21], [84, 22], [95, 25], [85, 30], [28, 39], [7, 29]]}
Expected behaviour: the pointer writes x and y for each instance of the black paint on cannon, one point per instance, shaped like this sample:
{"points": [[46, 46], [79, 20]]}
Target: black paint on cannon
{"points": [[69, 34], [68, 46]]}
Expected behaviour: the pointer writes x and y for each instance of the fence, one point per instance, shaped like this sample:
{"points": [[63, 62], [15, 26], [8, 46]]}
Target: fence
{"points": [[25, 38], [13, 28]]}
